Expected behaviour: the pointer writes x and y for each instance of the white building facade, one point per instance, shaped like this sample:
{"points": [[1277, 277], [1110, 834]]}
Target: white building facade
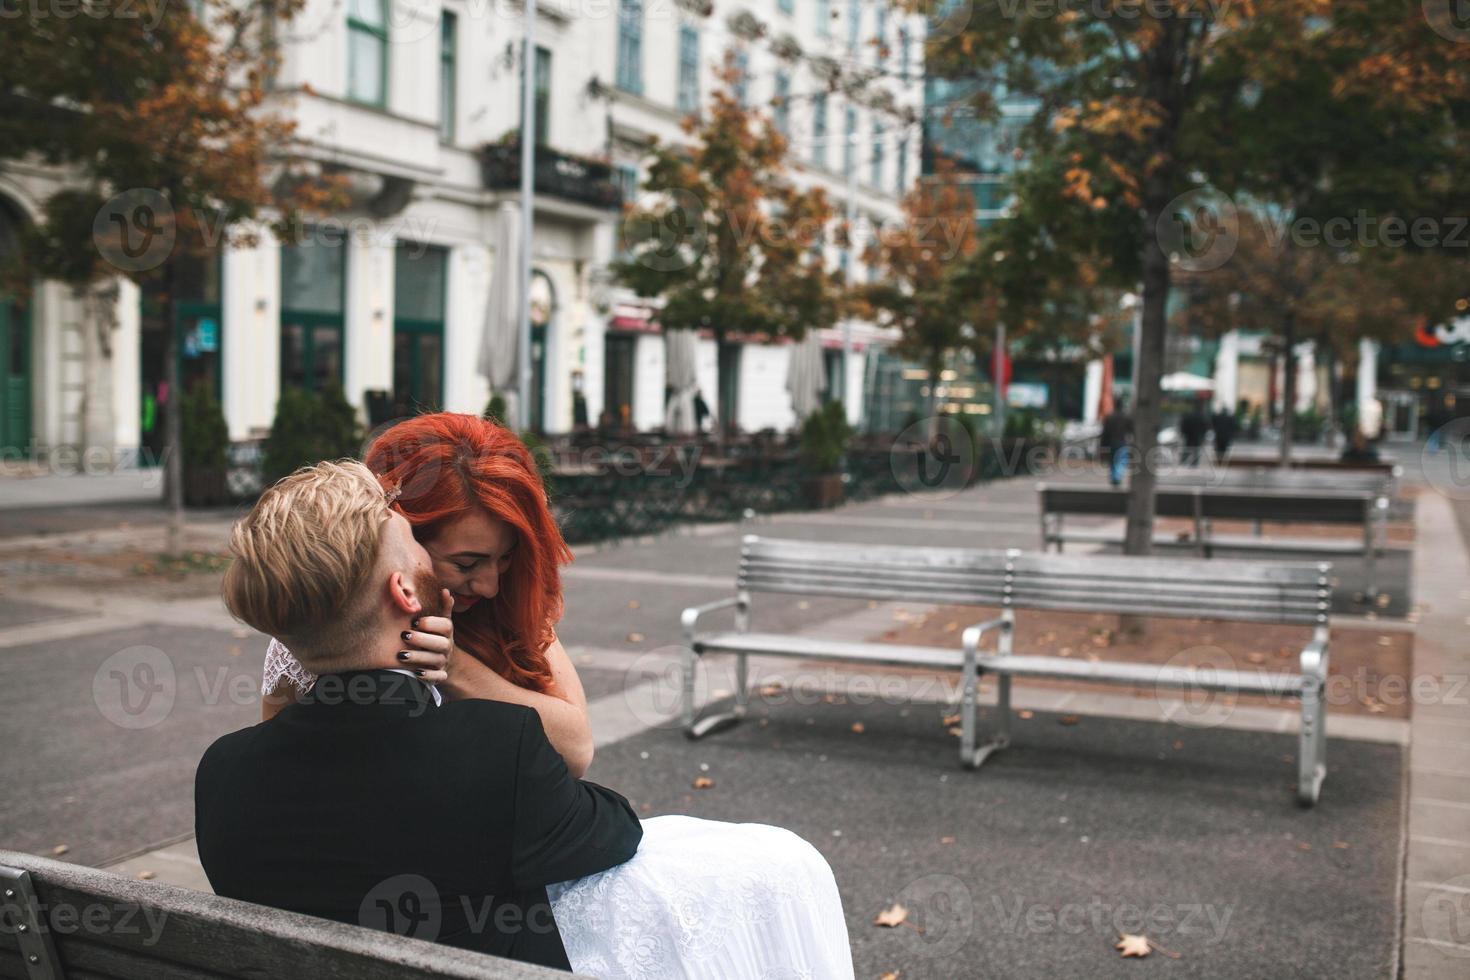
{"points": [[388, 298]]}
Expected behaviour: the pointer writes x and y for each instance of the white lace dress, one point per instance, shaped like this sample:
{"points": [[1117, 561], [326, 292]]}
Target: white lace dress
{"points": [[701, 899]]}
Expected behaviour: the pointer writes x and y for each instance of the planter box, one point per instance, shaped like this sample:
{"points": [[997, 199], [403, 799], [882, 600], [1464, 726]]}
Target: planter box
{"points": [[822, 492]]}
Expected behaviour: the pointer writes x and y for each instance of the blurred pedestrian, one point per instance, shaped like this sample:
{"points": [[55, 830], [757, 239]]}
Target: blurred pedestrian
{"points": [[1113, 441], [1225, 428], [1192, 429]]}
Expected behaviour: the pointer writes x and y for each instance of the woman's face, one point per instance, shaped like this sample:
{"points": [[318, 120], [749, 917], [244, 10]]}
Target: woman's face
{"points": [[470, 555]]}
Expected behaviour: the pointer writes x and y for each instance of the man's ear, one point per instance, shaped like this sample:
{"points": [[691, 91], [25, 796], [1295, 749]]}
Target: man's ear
{"points": [[403, 595]]}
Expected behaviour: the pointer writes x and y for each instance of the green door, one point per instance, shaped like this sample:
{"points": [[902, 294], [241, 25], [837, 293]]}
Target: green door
{"points": [[15, 377]]}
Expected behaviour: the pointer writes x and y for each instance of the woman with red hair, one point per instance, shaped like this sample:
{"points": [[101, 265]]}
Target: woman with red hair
{"points": [[473, 494]]}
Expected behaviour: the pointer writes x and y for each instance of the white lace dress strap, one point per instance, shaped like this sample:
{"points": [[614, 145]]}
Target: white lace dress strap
{"points": [[281, 665]]}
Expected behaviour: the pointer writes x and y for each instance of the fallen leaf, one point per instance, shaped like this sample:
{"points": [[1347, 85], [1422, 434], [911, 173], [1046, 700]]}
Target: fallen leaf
{"points": [[633, 603], [1384, 641], [60, 849], [1130, 945], [951, 720], [1065, 651], [890, 975], [803, 604], [771, 690], [146, 876], [951, 626], [1303, 846], [1025, 713], [635, 637], [946, 840], [857, 728], [1341, 845], [704, 782], [1068, 720], [1256, 658], [894, 915], [957, 731], [1178, 744]]}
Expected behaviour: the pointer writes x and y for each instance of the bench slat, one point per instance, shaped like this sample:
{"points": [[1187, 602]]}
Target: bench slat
{"points": [[237, 939], [1143, 675], [784, 644]]}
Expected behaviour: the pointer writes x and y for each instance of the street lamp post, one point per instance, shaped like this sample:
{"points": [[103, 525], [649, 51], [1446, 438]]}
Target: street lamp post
{"points": [[528, 210]]}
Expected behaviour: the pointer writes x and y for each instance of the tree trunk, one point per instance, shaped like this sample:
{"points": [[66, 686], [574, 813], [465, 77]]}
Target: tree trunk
{"points": [[173, 419], [1152, 325], [1288, 385]]}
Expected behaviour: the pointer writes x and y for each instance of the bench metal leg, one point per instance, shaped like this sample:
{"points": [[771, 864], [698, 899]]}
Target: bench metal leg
{"points": [[1312, 750], [971, 754], [718, 722], [1370, 553]]}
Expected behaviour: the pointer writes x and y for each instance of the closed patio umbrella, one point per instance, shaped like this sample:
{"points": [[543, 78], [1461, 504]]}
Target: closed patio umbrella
{"points": [[806, 376], [681, 376], [501, 330]]}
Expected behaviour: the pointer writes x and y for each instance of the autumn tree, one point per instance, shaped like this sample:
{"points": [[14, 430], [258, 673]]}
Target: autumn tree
{"points": [[164, 126], [726, 241], [916, 290], [1132, 101]]}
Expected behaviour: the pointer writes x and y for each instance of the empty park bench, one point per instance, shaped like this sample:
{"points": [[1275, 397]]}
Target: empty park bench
{"points": [[1280, 592], [68, 921], [1365, 507]]}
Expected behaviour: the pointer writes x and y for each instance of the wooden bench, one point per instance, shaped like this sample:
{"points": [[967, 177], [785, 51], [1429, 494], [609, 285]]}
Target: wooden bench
{"points": [[1280, 592], [1366, 507], [64, 920]]}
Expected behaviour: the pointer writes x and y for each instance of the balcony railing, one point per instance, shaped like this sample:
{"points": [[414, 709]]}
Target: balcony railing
{"points": [[557, 174]]}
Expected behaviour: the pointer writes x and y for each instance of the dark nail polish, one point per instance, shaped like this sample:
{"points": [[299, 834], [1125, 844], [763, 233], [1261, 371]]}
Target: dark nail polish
{"points": [[407, 635], [414, 622], [419, 671], [402, 654]]}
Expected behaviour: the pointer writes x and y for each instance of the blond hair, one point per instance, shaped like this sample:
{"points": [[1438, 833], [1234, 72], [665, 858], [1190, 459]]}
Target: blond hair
{"points": [[304, 555]]}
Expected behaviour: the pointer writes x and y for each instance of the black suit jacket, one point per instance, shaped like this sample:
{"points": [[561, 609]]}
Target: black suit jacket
{"points": [[368, 804]]}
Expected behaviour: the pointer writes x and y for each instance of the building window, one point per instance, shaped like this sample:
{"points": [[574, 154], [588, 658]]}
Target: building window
{"points": [[875, 177], [627, 178], [824, 18], [783, 103], [419, 285], [787, 6], [630, 46], [819, 129], [688, 97], [742, 78], [448, 42], [313, 286], [849, 142], [367, 51], [903, 166], [832, 361], [854, 23], [541, 99]]}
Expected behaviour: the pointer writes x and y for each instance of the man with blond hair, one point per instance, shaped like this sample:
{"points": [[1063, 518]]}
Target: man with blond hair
{"points": [[369, 802]]}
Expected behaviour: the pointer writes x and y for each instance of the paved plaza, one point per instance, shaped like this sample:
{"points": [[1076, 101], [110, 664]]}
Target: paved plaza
{"points": [[1099, 819]]}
